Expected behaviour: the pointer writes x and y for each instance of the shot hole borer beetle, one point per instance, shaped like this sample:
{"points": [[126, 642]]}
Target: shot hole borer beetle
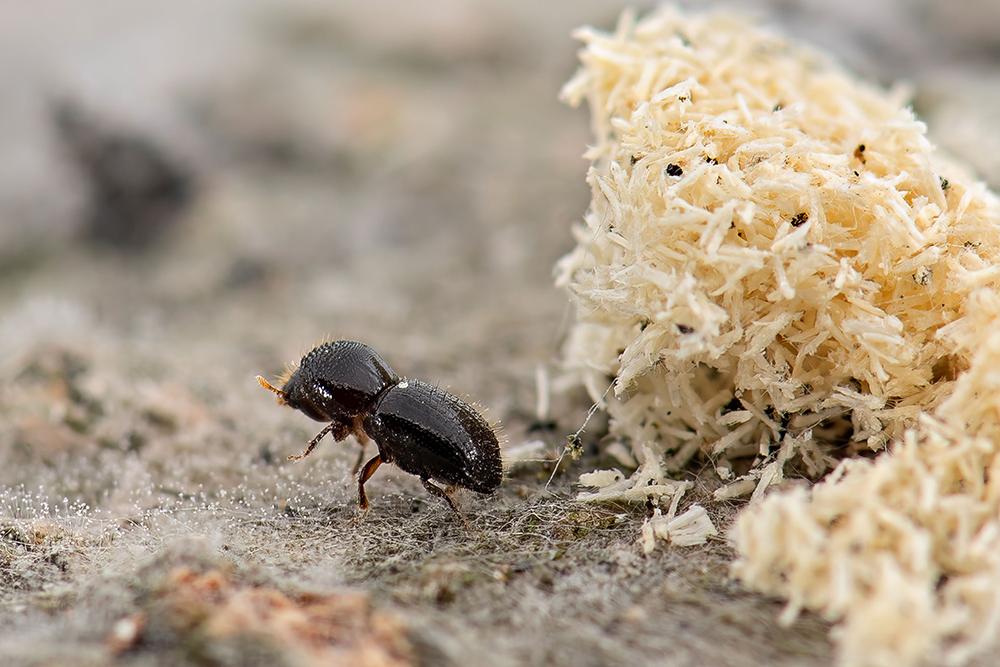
{"points": [[421, 428]]}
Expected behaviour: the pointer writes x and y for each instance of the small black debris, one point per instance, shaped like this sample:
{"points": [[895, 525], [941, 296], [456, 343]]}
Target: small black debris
{"points": [[650, 507], [733, 405], [574, 447], [923, 276], [944, 183], [674, 169], [859, 153], [685, 329], [799, 219]]}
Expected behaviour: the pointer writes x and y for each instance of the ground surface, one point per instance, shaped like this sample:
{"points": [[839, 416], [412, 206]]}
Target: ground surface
{"points": [[402, 177]]}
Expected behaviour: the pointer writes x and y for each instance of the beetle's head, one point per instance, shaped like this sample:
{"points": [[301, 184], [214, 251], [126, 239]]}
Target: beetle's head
{"points": [[335, 381], [302, 394]]}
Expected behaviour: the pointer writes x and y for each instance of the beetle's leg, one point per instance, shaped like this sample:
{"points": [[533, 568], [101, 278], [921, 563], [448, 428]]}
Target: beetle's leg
{"points": [[363, 441], [366, 474], [312, 444], [440, 493], [338, 434]]}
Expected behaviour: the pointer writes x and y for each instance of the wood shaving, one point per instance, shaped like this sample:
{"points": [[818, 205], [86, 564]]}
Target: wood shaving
{"points": [[691, 528], [777, 267]]}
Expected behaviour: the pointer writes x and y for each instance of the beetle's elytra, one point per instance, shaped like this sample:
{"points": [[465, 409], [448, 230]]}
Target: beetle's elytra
{"points": [[421, 428]]}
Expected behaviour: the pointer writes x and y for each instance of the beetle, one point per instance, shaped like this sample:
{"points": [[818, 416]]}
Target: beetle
{"points": [[421, 428]]}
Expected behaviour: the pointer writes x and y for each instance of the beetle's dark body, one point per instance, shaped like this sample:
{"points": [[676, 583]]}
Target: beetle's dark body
{"points": [[423, 429], [430, 433]]}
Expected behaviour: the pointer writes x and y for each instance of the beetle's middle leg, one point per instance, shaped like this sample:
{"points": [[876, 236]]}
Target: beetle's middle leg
{"points": [[366, 474]]}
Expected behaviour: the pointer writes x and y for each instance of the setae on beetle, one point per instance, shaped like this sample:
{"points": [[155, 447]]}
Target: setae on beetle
{"points": [[423, 429]]}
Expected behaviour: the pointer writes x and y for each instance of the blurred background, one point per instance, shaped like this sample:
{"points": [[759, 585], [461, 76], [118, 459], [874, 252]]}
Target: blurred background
{"points": [[194, 192], [253, 175]]}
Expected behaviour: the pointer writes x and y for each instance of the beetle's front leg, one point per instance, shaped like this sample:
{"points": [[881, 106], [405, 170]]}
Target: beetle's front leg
{"points": [[340, 431]]}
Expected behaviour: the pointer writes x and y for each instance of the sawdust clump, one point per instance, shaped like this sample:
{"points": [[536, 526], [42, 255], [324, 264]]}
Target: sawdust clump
{"points": [[778, 273]]}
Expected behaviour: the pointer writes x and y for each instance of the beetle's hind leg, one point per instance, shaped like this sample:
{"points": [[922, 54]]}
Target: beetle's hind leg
{"points": [[436, 490]]}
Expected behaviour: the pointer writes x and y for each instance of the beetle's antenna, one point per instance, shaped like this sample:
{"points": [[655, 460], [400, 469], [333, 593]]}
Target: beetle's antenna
{"points": [[271, 388]]}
